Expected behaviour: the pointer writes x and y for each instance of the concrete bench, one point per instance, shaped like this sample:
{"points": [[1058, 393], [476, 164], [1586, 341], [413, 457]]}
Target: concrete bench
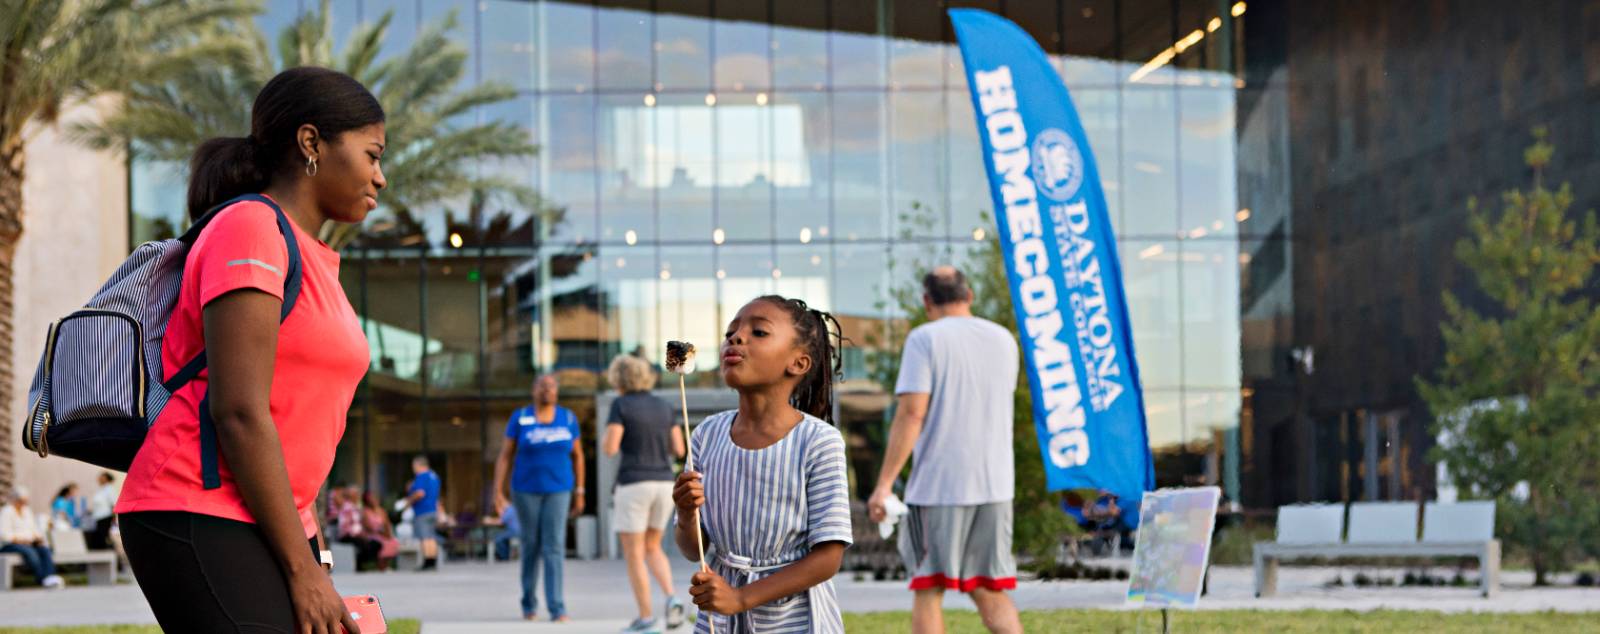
{"points": [[1382, 530], [67, 549], [410, 555]]}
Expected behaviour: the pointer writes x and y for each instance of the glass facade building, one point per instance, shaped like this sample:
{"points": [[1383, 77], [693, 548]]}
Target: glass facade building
{"points": [[695, 154]]}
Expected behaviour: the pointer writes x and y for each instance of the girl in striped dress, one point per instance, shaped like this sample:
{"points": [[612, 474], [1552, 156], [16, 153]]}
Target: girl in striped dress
{"points": [[770, 492]]}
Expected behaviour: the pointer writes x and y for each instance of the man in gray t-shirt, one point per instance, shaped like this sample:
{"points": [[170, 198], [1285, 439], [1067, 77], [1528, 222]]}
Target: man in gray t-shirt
{"points": [[958, 374]]}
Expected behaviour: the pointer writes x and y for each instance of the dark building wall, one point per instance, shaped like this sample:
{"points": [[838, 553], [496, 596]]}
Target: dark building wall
{"points": [[1399, 113]]}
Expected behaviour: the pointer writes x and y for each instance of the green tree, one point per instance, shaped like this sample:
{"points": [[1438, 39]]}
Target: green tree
{"points": [[1517, 400], [54, 53], [433, 156], [1039, 525]]}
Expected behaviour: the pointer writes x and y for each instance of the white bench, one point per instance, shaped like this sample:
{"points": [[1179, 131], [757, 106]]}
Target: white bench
{"points": [[1382, 529], [68, 549]]}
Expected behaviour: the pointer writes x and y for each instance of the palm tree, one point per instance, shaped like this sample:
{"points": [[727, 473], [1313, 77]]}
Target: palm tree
{"points": [[431, 158], [54, 53]]}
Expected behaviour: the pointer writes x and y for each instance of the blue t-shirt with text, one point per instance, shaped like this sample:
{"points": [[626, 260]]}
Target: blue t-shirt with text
{"points": [[428, 483], [544, 451]]}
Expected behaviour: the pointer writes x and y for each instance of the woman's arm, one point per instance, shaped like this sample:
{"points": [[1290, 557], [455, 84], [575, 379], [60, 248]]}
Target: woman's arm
{"points": [[577, 477], [502, 464], [613, 442], [241, 339], [677, 441], [712, 592]]}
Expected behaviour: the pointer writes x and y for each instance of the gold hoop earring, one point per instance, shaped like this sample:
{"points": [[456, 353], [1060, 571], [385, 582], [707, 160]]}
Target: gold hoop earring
{"points": [[311, 166]]}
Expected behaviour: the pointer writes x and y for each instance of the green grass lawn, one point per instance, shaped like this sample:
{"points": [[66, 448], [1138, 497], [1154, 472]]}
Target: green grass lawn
{"points": [[397, 626], [1241, 621]]}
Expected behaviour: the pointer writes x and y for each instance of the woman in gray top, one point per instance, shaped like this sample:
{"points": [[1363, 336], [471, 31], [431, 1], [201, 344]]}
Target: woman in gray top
{"points": [[642, 428]]}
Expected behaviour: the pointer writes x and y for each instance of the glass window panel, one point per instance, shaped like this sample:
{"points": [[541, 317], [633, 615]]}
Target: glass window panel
{"points": [[628, 278], [970, 201], [919, 165], [1089, 40], [1149, 171], [1150, 279], [568, 163], [688, 308], [803, 273], [802, 171], [1206, 146], [800, 45], [567, 41], [1207, 411], [860, 296], [510, 279], [859, 167], [1099, 111], [452, 304], [623, 44], [1211, 313], [393, 318], [745, 138], [744, 273], [508, 29], [683, 36], [465, 32], [159, 208], [743, 46], [683, 166], [565, 286], [1163, 419], [1148, 40], [858, 45], [627, 132], [505, 221], [402, 27]]}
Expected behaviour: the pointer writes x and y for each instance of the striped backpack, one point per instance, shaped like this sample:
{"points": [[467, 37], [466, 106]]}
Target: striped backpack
{"points": [[98, 386]]}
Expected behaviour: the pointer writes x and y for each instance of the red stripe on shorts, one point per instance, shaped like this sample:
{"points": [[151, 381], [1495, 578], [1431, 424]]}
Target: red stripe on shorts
{"points": [[964, 585]]}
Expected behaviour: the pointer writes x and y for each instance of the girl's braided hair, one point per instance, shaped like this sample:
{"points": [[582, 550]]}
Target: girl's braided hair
{"points": [[818, 331]]}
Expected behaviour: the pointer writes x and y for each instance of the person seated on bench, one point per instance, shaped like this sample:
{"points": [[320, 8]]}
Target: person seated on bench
{"points": [[1102, 514], [379, 532], [19, 533]]}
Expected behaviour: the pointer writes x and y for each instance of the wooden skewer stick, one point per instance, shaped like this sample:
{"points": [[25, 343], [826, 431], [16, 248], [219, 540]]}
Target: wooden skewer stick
{"points": [[688, 464]]}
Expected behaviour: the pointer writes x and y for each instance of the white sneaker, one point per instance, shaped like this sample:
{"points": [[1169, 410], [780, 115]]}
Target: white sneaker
{"points": [[54, 581]]}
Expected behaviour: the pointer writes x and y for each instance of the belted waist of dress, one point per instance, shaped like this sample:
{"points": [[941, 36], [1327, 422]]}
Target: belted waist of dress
{"points": [[746, 564]]}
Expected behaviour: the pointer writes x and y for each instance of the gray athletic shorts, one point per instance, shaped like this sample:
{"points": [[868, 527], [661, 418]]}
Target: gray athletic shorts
{"points": [[425, 526], [959, 547]]}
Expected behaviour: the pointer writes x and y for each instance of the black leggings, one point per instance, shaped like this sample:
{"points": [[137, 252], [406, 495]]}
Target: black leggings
{"points": [[207, 574]]}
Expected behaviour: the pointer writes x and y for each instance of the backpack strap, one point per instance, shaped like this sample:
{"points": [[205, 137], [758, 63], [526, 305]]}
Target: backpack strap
{"points": [[209, 473]]}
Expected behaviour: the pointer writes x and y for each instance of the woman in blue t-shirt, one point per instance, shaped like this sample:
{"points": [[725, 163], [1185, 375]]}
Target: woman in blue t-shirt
{"points": [[545, 459]]}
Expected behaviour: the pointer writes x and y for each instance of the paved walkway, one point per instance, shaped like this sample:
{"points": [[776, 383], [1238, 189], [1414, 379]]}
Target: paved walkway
{"points": [[480, 597]]}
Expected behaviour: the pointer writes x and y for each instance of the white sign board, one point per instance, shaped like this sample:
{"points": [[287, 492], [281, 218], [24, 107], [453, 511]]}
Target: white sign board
{"points": [[1173, 547]]}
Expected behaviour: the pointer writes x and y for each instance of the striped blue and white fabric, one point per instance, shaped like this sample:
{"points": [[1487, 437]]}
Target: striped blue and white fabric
{"points": [[766, 509]]}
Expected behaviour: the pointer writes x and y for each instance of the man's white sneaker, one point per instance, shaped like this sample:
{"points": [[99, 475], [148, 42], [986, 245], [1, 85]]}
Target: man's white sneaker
{"points": [[54, 581]]}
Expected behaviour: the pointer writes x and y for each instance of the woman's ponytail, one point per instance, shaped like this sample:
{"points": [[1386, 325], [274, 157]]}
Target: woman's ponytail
{"points": [[221, 169]]}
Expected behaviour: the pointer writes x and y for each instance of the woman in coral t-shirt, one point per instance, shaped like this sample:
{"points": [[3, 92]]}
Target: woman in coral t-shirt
{"points": [[244, 552]]}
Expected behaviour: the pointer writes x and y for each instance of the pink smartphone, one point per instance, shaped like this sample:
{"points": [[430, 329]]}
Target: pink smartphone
{"points": [[367, 613]]}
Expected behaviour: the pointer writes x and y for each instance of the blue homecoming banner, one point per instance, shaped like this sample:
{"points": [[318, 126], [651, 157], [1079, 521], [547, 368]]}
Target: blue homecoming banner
{"points": [[1061, 261]]}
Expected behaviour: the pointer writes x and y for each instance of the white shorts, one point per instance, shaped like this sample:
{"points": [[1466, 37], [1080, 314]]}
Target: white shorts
{"points": [[642, 505]]}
